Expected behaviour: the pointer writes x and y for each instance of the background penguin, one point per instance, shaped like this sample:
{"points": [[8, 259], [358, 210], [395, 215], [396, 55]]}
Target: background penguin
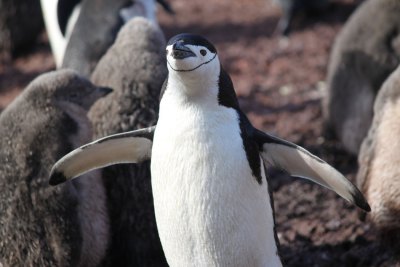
{"points": [[365, 52], [378, 176], [208, 166], [40, 225], [135, 67], [292, 7], [60, 17], [96, 28], [97, 24]]}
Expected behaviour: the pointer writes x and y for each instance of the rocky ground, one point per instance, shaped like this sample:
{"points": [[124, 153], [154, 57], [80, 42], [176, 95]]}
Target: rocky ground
{"points": [[280, 83]]}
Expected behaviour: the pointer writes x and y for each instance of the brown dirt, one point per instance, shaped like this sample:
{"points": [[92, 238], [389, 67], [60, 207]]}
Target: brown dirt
{"points": [[16, 73], [280, 83]]}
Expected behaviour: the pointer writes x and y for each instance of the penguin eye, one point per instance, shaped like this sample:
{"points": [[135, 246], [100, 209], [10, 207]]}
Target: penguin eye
{"points": [[203, 52]]}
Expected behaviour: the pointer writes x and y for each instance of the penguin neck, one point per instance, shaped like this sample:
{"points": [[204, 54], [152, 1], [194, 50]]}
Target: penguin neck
{"points": [[189, 88], [79, 116]]}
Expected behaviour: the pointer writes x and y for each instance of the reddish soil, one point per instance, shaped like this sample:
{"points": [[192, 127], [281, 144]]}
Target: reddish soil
{"points": [[16, 73], [280, 83]]}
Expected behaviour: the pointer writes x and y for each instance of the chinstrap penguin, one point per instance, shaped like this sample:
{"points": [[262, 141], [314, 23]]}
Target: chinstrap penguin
{"points": [[208, 165], [39, 225]]}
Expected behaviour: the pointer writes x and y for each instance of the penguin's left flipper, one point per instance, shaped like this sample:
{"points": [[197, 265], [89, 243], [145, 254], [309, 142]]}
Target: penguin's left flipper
{"points": [[299, 162], [128, 147]]}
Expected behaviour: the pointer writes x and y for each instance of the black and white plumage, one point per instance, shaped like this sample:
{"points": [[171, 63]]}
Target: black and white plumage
{"points": [[67, 13], [39, 225], [208, 164], [80, 32], [135, 68], [99, 24], [60, 17], [365, 52], [95, 30]]}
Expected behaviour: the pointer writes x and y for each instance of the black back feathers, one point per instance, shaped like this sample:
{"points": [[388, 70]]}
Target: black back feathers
{"points": [[227, 97]]}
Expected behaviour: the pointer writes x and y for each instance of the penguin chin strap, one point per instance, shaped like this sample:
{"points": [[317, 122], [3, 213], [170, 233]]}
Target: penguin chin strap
{"points": [[204, 63]]}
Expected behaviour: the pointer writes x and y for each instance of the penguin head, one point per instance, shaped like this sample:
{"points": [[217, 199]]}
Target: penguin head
{"points": [[70, 89], [192, 58], [65, 89]]}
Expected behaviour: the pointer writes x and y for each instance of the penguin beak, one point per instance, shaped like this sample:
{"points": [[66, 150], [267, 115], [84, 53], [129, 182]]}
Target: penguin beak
{"points": [[180, 51], [95, 95], [103, 91]]}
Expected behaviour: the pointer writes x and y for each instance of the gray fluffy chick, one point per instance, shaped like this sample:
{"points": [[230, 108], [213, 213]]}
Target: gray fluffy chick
{"points": [[378, 175], [42, 225], [365, 52], [135, 67]]}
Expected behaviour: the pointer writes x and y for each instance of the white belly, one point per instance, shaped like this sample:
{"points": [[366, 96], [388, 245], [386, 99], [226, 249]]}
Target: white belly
{"points": [[210, 210]]}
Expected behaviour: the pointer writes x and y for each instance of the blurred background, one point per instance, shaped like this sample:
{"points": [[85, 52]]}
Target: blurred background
{"points": [[280, 81]]}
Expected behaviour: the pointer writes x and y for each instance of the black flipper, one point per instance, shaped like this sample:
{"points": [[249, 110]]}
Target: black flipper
{"points": [[299, 162]]}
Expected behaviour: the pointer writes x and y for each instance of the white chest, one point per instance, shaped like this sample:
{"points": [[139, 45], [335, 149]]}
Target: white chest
{"points": [[210, 211]]}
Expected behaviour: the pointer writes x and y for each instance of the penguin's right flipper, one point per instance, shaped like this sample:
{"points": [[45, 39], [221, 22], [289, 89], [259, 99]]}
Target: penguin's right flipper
{"points": [[129, 147], [300, 163]]}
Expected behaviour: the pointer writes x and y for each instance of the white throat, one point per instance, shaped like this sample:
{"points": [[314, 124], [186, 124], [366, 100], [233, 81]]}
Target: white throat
{"points": [[200, 83], [192, 90]]}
